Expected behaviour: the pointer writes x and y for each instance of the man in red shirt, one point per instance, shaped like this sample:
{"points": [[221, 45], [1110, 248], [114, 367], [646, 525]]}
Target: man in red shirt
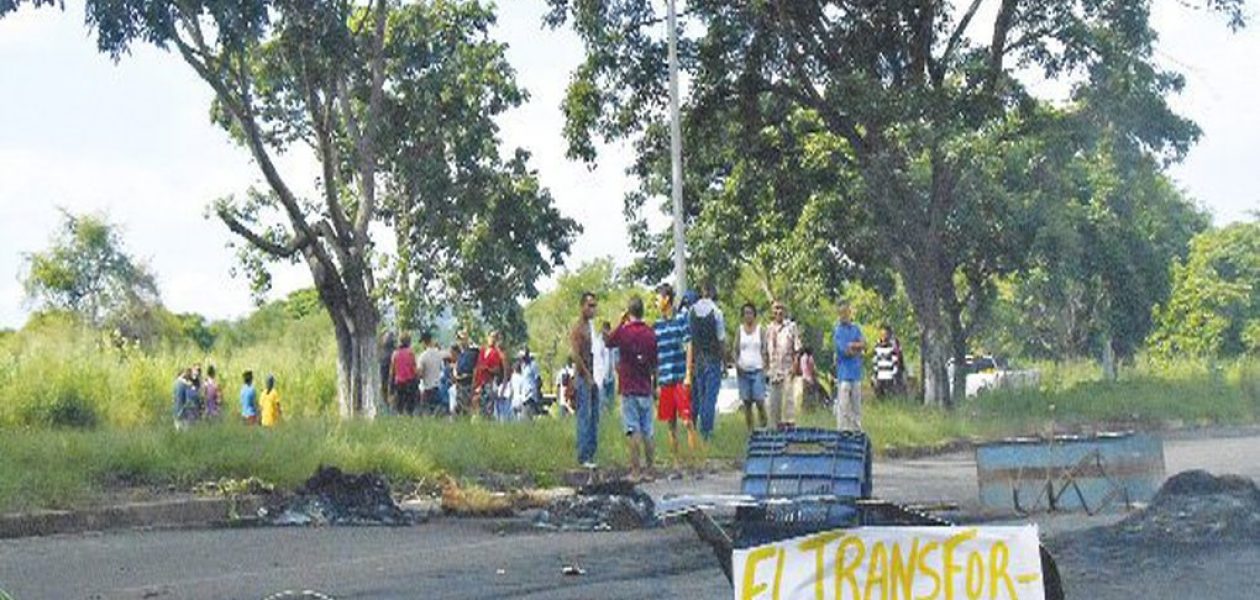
{"points": [[402, 370], [490, 365], [635, 368]]}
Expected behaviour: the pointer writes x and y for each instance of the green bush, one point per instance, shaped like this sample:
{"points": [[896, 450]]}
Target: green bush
{"points": [[69, 409]]}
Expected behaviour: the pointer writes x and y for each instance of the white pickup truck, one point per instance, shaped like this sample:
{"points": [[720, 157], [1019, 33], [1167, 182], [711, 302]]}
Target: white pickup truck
{"points": [[987, 372]]}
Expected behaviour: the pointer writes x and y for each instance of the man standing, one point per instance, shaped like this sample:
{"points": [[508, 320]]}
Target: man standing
{"points": [[672, 335], [705, 358], [183, 408], [402, 371], [533, 381], [850, 345], [785, 344], [387, 346], [585, 393], [465, 366], [635, 366], [430, 376]]}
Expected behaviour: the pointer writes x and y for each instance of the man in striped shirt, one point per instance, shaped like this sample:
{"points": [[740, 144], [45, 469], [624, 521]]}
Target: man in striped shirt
{"points": [[672, 336]]}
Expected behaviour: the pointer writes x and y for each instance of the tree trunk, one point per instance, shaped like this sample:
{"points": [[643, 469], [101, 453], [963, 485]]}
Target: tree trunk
{"points": [[358, 364], [936, 375], [935, 339], [1109, 359]]}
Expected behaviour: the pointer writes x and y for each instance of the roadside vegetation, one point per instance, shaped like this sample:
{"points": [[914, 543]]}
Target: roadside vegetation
{"points": [[81, 418]]}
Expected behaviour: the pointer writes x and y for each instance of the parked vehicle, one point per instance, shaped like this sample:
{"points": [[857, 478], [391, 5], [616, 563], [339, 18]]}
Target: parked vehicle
{"points": [[988, 372]]}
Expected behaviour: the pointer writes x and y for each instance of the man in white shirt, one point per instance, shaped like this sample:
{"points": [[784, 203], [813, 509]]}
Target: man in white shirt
{"points": [[430, 365]]}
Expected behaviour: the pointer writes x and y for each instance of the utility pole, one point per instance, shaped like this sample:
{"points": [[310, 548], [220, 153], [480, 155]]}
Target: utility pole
{"points": [[675, 143]]}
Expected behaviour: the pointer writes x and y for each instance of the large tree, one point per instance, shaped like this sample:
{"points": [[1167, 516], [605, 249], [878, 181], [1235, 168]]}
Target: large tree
{"points": [[397, 102], [87, 271], [939, 152], [1214, 308]]}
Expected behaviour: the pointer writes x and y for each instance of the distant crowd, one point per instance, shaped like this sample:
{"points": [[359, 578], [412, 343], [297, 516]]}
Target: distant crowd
{"points": [[480, 382], [670, 371], [200, 398]]}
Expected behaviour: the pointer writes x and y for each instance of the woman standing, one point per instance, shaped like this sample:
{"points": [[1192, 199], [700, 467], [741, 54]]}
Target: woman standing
{"points": [[750, 365], [490, 372], [212, 394]]}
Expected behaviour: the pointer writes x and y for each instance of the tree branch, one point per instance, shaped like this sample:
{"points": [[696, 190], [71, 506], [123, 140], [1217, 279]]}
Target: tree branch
{"points": [[997, 49], [367, 143], [939, 71], [244, 117], [296, 244]]}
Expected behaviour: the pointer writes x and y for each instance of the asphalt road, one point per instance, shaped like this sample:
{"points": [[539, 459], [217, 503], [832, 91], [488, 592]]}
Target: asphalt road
{"points": [[450, 558]]}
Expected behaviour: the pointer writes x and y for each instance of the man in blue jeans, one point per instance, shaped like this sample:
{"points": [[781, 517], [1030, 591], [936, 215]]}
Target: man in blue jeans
{"points": [[584, 390], [705, 358]]}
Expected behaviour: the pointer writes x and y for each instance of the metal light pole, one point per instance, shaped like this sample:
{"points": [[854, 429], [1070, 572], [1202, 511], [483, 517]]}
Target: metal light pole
{"points": [[675, 143]]}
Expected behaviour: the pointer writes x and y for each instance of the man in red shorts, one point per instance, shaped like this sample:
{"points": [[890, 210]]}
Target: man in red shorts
{"points": [[672, 337]]}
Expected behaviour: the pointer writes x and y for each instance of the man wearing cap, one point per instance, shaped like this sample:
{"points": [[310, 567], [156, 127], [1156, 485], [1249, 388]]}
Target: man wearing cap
{"points": [[672, 336], [705, 358]]}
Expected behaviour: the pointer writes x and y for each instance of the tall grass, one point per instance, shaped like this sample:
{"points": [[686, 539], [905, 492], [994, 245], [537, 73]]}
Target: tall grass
{"points": [[56, 371], [79, 416]]}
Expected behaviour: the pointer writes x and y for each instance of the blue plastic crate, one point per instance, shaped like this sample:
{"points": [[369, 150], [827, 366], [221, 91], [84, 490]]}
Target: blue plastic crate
{"points": [[808, 462]]}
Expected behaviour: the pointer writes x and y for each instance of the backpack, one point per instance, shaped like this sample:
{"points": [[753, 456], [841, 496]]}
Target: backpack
{"points": [[704, 336]]}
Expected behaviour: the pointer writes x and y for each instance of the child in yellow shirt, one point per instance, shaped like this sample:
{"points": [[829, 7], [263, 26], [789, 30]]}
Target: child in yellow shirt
{"points": [[270, 404]]}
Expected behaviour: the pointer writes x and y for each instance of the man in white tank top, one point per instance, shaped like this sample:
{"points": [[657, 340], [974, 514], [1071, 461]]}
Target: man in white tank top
{"points": [[750, 366]]}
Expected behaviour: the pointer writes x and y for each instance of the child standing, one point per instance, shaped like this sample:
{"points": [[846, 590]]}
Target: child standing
{"points": [[249, 400], [271, 404]]}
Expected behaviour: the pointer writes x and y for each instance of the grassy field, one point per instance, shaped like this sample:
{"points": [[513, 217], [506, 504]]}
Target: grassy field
{"points": [[79, 418]]}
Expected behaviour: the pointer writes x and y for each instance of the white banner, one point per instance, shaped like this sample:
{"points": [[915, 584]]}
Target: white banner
{"points": [[895, 563]]}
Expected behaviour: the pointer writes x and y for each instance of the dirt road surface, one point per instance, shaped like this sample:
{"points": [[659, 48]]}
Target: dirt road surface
{"points": [[450, 558]]}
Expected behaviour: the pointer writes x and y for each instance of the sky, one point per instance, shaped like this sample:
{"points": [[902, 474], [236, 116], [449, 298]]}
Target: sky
{"points": [[133, 140]]}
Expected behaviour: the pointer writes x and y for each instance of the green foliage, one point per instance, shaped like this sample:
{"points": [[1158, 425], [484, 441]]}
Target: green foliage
{"points": [[829, 141], [87, 271], [56, 371], [1099, 262], [398, 102], [1214, 309], [68, 409], [551, 316], [60, 468]]}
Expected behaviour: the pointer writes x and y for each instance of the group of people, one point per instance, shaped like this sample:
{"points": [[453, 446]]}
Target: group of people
{"points": [[462, 380], [198, 398], [681, 358]]}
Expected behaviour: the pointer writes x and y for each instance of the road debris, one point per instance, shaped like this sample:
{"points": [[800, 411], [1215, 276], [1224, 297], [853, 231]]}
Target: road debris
{"points": [[1197, 507], [331, 497], [607, 506]]}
